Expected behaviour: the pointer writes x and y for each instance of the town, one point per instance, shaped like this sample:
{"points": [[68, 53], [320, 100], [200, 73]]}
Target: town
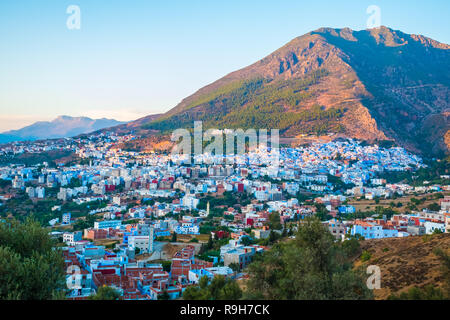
{"points": [[150, 225]]}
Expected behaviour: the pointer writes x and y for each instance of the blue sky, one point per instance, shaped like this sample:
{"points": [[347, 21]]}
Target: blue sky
{"points": [[134, 58]]}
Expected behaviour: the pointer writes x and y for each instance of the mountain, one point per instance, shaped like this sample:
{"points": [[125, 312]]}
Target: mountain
{"points": [[61, 127], [376, 84]]}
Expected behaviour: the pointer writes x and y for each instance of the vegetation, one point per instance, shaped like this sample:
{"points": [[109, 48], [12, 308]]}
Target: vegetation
{"points": [[432, 174], [106, 293], [365, 256], [428, 292], [258, 103], [29, 268], [313, 266], [228, 199], [5, 183], [322, 213], [274, 221], [220, 288]]}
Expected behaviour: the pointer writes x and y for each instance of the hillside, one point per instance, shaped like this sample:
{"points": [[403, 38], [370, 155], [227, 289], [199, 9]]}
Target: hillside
{"points": [[406, 262], [377, 84], [61, 127]]}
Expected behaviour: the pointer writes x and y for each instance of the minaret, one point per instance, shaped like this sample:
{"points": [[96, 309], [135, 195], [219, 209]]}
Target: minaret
{"points": [[207, 209]]}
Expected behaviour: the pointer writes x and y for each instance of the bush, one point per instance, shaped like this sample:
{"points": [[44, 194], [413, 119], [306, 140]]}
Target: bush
{"points": [[105, 293], [313, 266], [220, 288], [30, 269], [366, 256]]}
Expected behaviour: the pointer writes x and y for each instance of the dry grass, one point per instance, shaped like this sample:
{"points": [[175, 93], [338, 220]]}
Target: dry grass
{"points": [[406, 262]]}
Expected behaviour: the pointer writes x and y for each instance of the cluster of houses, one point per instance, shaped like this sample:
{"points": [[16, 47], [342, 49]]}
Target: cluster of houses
{"points": [[146, 196], [91, 266], [400, 225]]}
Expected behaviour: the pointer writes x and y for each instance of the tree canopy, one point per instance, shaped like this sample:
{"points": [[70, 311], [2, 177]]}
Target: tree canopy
{"points": [[30, 269], [106, 293], [220, 288], [313, 266]]}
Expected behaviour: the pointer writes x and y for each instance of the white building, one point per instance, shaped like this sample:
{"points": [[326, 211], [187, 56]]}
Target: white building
{"points": [[71, 237], [431, 227], [143, 243]]}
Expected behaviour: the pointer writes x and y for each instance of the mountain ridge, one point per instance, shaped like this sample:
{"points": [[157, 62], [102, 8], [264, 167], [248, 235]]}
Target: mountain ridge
{"points": [[373, 84], [61, 127]]}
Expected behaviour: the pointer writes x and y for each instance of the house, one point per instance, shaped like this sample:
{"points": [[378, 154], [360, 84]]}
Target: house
{"points": [[346, 209], [431, 227], [106, 224], [367, 230], [183, 261], [337, 229], [261, 233], [95, 234], [187, 228], [79, 283], [71, 237], [66, 218], [143, 243], [241, 256], [196, 274], [416, 230]]}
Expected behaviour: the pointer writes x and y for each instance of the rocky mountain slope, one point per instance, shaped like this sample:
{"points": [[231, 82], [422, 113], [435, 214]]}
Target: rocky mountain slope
{"points": [[377, 84]]}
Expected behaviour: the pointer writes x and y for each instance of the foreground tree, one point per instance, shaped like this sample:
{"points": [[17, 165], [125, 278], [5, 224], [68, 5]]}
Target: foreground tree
{"points": [[106, 293], [313, 266], [30, 269], [220, 288]]}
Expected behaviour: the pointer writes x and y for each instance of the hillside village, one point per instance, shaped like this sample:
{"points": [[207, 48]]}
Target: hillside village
{"points": [[151, 224]]}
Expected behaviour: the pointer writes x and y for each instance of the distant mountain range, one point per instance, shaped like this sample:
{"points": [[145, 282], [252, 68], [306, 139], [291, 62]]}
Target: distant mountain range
{"points": [[376, 84], [61, 127]]}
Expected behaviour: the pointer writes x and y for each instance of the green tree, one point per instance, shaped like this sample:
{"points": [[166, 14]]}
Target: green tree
{"points": [[366, 256], [235, 266], [275, 221], [246, 241], [220, 288], [322, 212], [167, 265], [434, 206], [105, 293], [428, 292], [313, 266], [30, 269], [164, 296], [273, 236]]}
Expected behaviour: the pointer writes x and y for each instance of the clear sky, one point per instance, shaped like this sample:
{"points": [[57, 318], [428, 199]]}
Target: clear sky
{"points": [[133, 58]]}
